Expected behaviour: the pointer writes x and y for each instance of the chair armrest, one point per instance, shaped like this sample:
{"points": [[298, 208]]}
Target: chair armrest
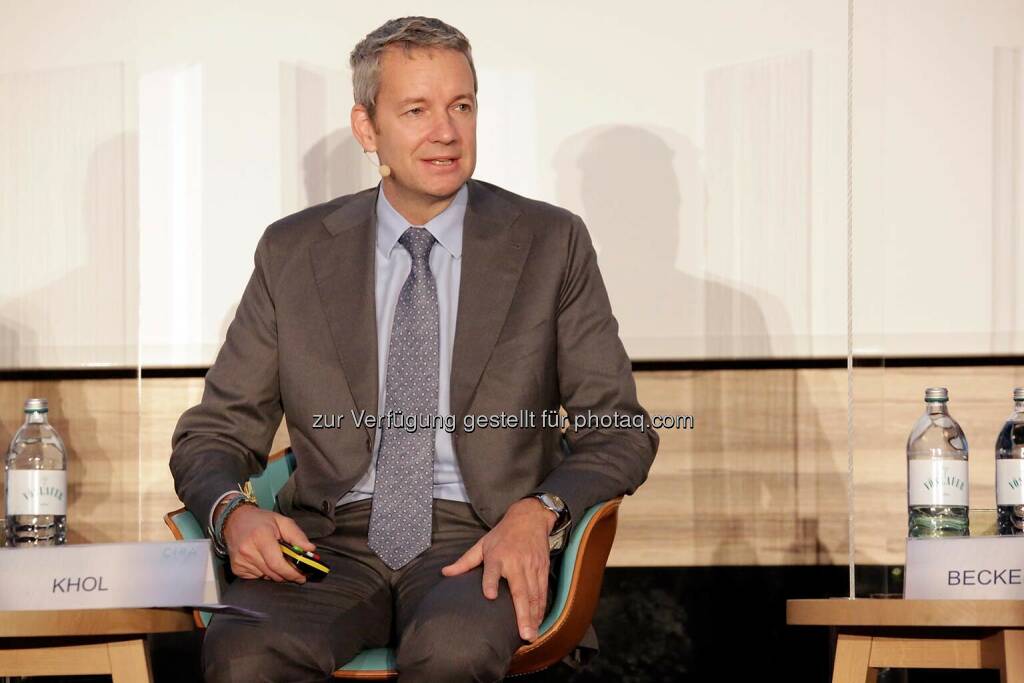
{"points": [[577, 592], [580, 548], [183, 525]]}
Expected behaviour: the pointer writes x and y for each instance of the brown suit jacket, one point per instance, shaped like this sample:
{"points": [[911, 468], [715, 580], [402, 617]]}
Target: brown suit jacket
{"points": [[534, 331]]}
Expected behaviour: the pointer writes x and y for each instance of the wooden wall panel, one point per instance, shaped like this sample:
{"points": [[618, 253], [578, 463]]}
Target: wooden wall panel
{"points": [[99, 423], [760, 480], [756, 482], [163, 402], [887, 403]]}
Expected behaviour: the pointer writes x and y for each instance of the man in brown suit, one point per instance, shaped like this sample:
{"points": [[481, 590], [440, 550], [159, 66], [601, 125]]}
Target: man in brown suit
{"points": [[436, 298]]}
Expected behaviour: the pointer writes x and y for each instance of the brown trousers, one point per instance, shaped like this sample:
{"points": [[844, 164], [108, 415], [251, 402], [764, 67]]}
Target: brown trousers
{"points": [[443, 627]]}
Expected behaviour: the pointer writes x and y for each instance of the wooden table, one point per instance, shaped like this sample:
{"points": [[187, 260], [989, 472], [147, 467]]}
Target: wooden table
{"points": [[918, 634], [95, 641]]}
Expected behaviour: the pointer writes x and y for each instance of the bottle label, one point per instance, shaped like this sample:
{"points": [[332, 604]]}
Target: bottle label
{"points": [[37, 492], [1009, 481], [938, 482]]}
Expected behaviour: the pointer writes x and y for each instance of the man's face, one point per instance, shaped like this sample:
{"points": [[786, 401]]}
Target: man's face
{"points": [[426, 121]]}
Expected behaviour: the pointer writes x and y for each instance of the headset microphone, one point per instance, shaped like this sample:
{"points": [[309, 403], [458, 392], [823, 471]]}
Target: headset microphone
{"points": [[384, 169]]}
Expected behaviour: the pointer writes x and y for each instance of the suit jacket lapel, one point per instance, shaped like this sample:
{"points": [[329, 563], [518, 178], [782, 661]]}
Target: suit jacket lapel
{"points": [[343, 267], [493, 255]]}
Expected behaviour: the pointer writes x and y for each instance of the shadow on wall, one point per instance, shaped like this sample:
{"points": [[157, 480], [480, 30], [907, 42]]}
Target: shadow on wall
{"points": [[102, 440], [643, 199], [69, 295], [642, 194], [333, 167], [18, 342], [88, 315]]}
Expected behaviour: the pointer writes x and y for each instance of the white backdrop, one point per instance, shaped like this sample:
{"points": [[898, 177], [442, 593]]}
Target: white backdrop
{"points": [[144, 146]]}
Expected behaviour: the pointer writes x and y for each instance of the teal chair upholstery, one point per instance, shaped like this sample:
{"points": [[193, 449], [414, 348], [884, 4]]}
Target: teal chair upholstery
{"points": [[580, 571]]}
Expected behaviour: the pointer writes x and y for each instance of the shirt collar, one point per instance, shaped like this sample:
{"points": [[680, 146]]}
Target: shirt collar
{"points": [[446, 227]]}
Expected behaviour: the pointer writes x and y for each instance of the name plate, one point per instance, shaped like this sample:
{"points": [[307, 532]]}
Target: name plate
{"points": [[108, 575], [966, 568]]}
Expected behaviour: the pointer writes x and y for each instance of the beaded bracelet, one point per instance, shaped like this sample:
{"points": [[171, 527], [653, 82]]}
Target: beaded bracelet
{"points": [[217, 532]]}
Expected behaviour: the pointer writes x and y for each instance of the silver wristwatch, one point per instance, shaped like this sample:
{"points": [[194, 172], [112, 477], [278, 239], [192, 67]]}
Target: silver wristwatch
{"points": [[560, 532]]}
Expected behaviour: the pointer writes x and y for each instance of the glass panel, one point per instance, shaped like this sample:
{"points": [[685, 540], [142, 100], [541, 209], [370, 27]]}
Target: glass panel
{"points": [[149, 148], [68, 295], [69, 304], [937, 122]]}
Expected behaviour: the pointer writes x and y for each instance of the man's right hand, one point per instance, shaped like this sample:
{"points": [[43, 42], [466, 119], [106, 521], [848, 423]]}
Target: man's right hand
{"points": [[251, 535]]}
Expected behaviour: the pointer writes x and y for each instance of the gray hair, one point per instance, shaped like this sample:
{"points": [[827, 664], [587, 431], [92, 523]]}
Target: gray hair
{"points": [[409, 33]]}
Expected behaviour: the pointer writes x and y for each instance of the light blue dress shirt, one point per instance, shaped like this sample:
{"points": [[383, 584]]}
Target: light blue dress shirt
{"points": [[393, 264]]}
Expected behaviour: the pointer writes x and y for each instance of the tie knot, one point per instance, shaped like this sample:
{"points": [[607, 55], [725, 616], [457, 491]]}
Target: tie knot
{"points": [[418, 242]]}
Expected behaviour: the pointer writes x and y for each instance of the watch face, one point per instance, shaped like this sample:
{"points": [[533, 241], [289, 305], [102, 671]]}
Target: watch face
{"points": [[553, 502]]}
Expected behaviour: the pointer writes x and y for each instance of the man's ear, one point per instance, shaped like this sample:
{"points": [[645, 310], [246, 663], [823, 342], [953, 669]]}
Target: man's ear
{"points": [[363, 128]]}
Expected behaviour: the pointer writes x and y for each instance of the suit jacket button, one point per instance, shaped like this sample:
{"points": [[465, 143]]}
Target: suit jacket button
{"points": [[325, 506]]}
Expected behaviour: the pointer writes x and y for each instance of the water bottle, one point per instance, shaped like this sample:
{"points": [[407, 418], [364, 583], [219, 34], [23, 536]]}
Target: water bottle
{"points": [[937, 484], [1010, 470], [36, 482]]}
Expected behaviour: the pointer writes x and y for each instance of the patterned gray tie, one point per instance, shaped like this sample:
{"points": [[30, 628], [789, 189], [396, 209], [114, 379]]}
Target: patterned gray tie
{"points": [[401, 512]]}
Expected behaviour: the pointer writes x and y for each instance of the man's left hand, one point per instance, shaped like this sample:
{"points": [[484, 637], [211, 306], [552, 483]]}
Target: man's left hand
{"points": [[516, 549]]}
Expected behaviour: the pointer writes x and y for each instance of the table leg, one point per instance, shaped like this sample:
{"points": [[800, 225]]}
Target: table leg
{"points": [[129, 661], [1012, 670], [853, 652]]}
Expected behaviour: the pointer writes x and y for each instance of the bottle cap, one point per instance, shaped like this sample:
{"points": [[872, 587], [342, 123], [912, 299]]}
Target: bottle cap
{"points": [[36, 405], [1018, 394], [936, 394]]}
